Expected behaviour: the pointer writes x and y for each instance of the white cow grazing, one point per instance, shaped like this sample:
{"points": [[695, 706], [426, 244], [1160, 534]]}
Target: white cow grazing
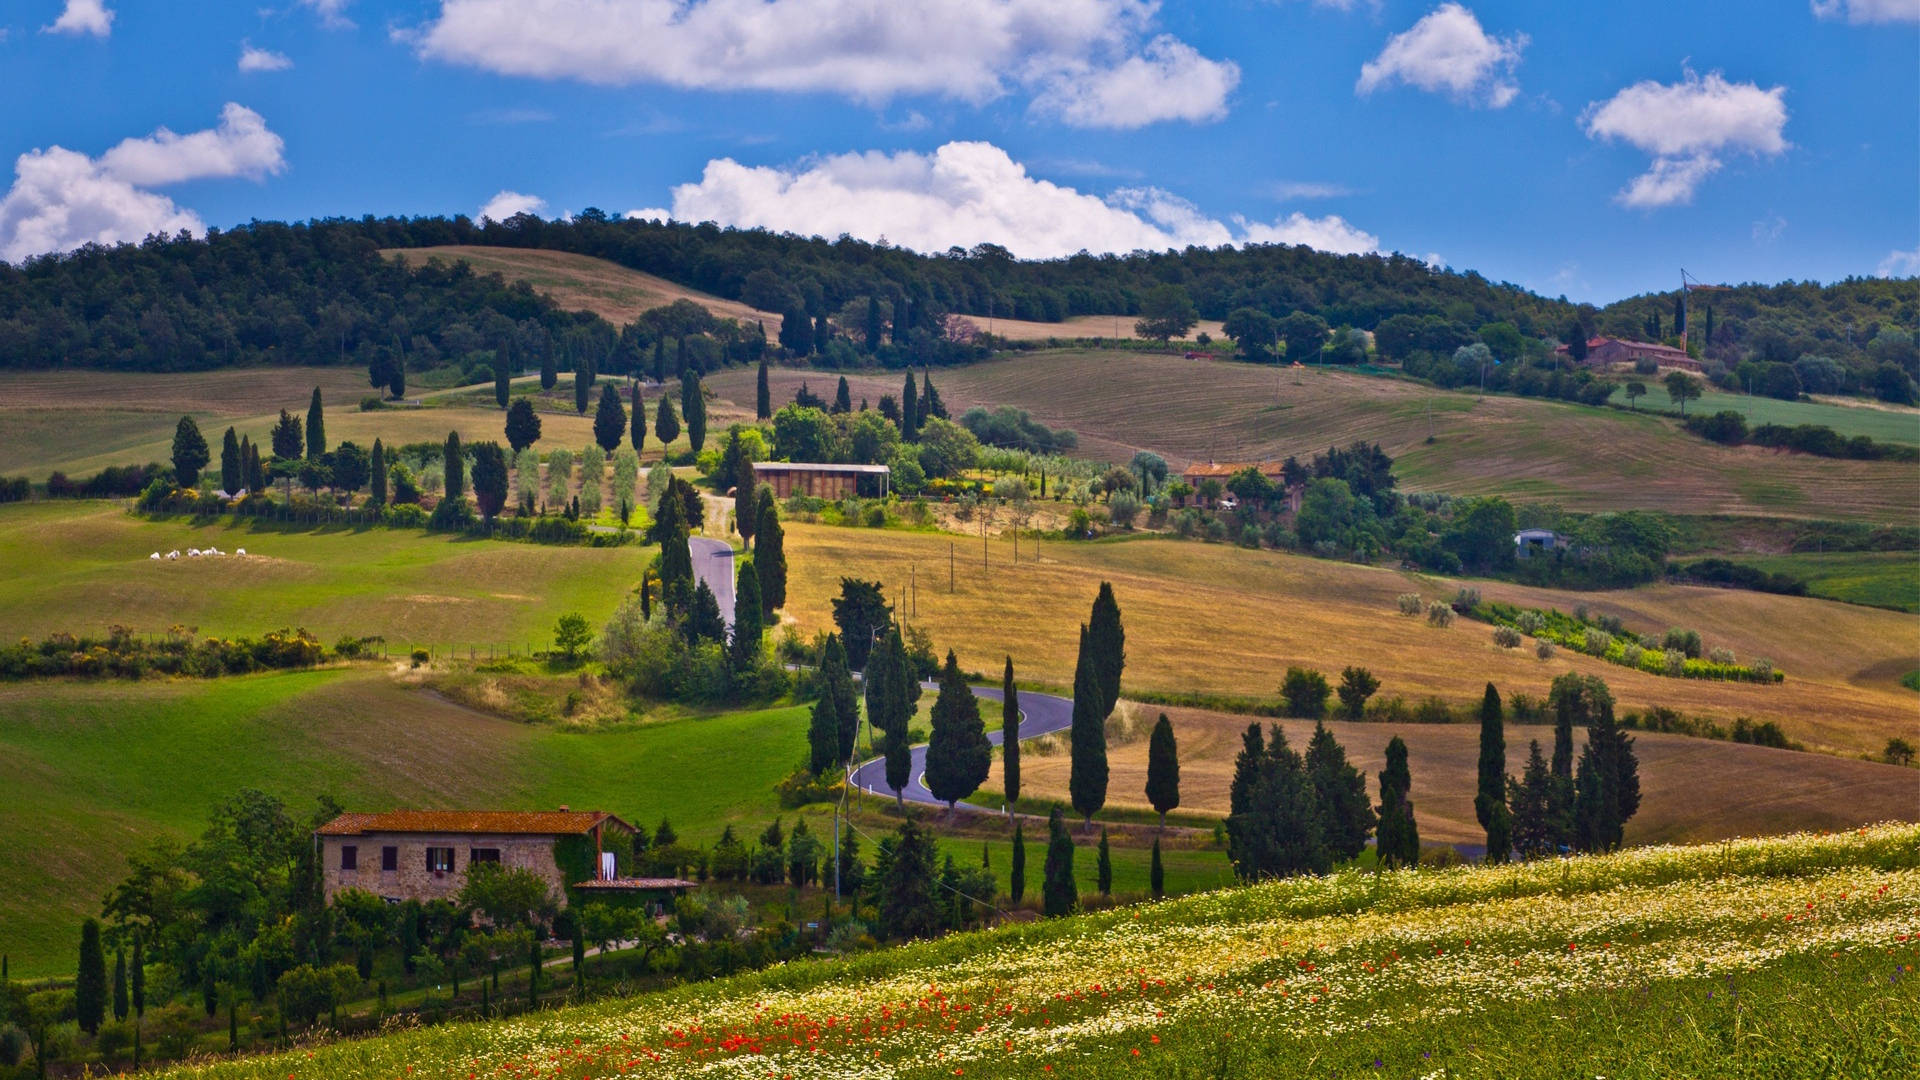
{"points": [[240, 551], [174, 554], [155, 555], [193, 553]]}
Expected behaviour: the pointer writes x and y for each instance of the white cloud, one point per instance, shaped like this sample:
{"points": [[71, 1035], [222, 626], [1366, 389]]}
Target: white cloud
{"points": [[62, 198], [1447, 52], [254, 60], [1688, 126], [1900, 264], [1768, 229], [1286, 190], [967, 193], [1096, 63], [83, 17], [333, 13], [505, 204], [1868, 11]]}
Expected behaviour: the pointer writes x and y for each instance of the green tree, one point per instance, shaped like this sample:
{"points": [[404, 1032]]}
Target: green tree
{"points": [[523, 425], [1682, 388], [1087, 776], [349, 466], [454, 464], [1107, 642], [860, 611], [287, 440], [1304, 335], [377, 471], [90, 981], [1398, 839], [1305, 693], [549, 368], [1635, 391], [1059, 893], [1340, 793], [637, 419], [1017, 868], [930, 405], [769, 553], [1607, 783], [609, 419], [666, 425], [316, 428], [703, 618], [1010, 734], [231, 465], [120, 1002], [572, 635], [137, 977], [823, 734], [1529, 800], [743, 649], [909, 904], [910, 416], [693, 406], [189, 452], [842, 398], [796, 331], [1577, 701], [1166, 312], [1103, 866], [582, 384], [762, 395], [1357, 684], [1254, 331], [836, 680], [1163, 769], [1156, 873], [503, 362], [1490, 803], [397, 377], [489, 478], [958, 753]]}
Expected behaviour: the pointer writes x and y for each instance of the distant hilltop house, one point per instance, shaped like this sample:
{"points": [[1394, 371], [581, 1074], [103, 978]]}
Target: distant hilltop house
{"points": [[425, 854], [1199, 472], [1530, 542], [1607, 352], [822, 481]]}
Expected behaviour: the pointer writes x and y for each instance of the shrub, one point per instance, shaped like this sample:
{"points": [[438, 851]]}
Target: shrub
{"points": [[1686, 641], [1721, 655], [1762, 669], [1506, 637], [1305, 692], [1216, 530], [1122, 509], [1543, 649], [1433, 711], [1530, 622], [419, 657], [1898, 752], [369, 404], [1597, 642], [1439, 614], [1466, 600], [15, 489], [1410, 603], [1676, 661], [1079, 524], [1630, 655]]}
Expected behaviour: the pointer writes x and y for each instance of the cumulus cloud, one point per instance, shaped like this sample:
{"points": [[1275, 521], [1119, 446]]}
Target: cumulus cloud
{"points": [[1448, 53], [1868, 11], [967, 193], [83, 17], [1900, 264], [333, 13], [1094, 63], [62, 198], [1688, 126], [505, 204], [253, 60], [1309, 189]]}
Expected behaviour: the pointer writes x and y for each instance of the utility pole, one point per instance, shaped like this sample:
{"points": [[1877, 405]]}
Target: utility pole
{"points": [[949, 567]]}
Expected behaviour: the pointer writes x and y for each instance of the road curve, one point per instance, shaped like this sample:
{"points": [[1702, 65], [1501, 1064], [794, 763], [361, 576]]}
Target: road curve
{"points": [[713, 564], [1041, 714]]}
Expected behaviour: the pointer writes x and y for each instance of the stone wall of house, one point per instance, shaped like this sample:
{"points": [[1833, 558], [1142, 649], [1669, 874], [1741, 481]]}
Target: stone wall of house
{"points": [[411, 880]]}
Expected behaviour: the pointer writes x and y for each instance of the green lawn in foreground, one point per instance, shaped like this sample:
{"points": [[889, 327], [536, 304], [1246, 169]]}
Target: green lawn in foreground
{"points": [[1881, 425], [1889, 579]]}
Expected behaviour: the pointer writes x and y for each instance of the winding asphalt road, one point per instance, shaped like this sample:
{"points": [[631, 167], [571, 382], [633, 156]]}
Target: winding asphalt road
{"points": [[1040, 714], [713, 564]]}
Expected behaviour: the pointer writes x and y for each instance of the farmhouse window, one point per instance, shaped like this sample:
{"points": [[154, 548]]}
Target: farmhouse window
{"points": [[440, 860], [349, 857], [389, 859], [483, 854]]}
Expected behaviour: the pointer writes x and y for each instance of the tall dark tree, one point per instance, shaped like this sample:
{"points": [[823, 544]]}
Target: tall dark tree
{"points": [[120, 1000], [1529, 800], [1398, 840], [1163, 769], [860, 611], [909, 410], [704, 623], [769, 553], [637, 419], [796, 331], [489, 478], [909, 905], [1059, 893], [503, 361], [1680, 314], [836, 681], [397, 380], [666, 425], [1490, 803], [873, 323], [823, 735], [743, 648], [1107, 643], [549, 368], [377, 470], [676, 560], [609, 419], [316, 428], [137, 977], [1607, 782], [660, 360], [1087, 776], [762, 395], [958, 753], [1576, 701], [1340, 792], [1103, 866], [1357, 684], [523, 425], [348, 466], [256, 469], [842, 398], [1017, 873], [930, 403], [189, 452], [1010, 734], [891, 694], [1273, 822], [1156, 873], [90, 981], [582, 383], [232, 467], [454, 463]]}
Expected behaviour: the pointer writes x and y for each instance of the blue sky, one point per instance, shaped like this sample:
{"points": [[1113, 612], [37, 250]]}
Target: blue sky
{"points": [[1590, 150]]}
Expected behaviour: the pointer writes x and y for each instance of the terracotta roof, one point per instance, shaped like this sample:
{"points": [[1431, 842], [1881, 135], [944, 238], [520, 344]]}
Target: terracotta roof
{"points": [[640, 883], [512, 822], [1226, 469]]}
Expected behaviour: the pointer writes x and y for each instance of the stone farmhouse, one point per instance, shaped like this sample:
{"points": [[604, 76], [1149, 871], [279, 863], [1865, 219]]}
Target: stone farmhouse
{"points": [[1611, 352], [425, 854], [1198, 472]]}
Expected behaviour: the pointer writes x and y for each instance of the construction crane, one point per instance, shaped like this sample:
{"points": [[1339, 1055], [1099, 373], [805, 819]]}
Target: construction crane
{"points": [[1688, 286]]}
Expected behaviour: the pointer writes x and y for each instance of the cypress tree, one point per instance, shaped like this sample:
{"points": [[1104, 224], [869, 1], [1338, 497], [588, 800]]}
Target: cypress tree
{"points": [[1010, 735], [1680, 315], [693, 401], [287, 440], [637, 414], [1087, 778], [1399, 836], [1107, 643], [873, 323], [378, 474], [1572, 698], [769, 554], [1607, 784], [909, 409], [90, 982], [549, 369], [503, 373], [1163, 769], [137, 978], [1156, 873], [523, 425], [609, 419], [842, 397], [397, 387], [582, 382], [837, 678], [1017, 876], [958, 753], [1527, 800], [316, 428], [891, 694], [823, 734], [744, 649], [704, 623], [189, 452], [929, 397], [763, 395], [1059, 893], [454, 464], [1103, 865], [231, 464], [1490, 804], [676, 559], [660, 359], [120, 1002], [666, 426], [1340, 792]]}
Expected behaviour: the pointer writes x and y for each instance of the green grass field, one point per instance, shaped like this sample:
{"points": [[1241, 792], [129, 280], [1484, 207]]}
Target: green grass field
{"points": [[1880, 423], [1769, 958], [1888, 579]]}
